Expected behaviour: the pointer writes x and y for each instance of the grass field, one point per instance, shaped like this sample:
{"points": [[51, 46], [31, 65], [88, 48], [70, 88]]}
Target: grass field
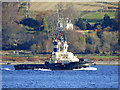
{"points": [[98, 15], [21, 55], [30, 55], [97, 56], [47, 55], [80, 6]]}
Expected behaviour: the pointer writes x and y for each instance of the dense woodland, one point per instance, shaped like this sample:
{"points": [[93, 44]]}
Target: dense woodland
{"points": [[21, 32]]}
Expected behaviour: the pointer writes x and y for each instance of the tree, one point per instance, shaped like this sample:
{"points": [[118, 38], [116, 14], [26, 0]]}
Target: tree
{"points": [[88, 40], [89, 49], [81, 24], [52, 24], [60, 7], [70, 11], [92, 41], [45, 25], [48, 45], [14, 37], [30, 22], [97, 50], [110, 41], [100, 31], [33, 48], [100, 34], [106, 21], [79, 41]]}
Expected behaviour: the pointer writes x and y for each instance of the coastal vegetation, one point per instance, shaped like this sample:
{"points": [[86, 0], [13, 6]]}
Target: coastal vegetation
{"points": [[41, 58], [47, 55], [95, 32]]}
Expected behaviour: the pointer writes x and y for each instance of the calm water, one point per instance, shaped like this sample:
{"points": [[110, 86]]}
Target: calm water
{"points": [[104, 77]]}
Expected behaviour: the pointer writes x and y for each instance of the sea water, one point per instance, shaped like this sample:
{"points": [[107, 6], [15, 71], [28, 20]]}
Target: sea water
{"points": [[103, 77]]}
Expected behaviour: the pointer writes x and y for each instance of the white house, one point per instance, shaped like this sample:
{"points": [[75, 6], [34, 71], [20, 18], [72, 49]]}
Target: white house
{"points": [[65, 24], [69, 25]]}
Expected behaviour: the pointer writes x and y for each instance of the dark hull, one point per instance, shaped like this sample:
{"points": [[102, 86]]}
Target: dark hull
{"points": [[53, 66]]}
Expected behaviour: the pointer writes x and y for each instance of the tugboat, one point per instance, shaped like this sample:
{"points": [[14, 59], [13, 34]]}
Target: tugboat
{"points": [[60, 59]]}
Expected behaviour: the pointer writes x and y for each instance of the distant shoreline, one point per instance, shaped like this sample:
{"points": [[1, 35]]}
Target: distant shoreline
{"points": [[107, 62], [98, 60], [95, 63]]}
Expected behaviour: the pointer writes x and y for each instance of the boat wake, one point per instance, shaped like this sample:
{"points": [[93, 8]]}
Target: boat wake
{"points": [[43, 69], [5, 69], [87, 68]]}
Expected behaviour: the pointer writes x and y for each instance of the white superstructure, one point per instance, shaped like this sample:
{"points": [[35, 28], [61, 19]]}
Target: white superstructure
{"points": [[60, 53]]}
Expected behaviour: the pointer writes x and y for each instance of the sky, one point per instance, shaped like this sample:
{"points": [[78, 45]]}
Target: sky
{"points": [[61, 0]]}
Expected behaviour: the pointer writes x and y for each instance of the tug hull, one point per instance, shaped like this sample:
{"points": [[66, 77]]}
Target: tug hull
{"points": [[53, 66]]}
